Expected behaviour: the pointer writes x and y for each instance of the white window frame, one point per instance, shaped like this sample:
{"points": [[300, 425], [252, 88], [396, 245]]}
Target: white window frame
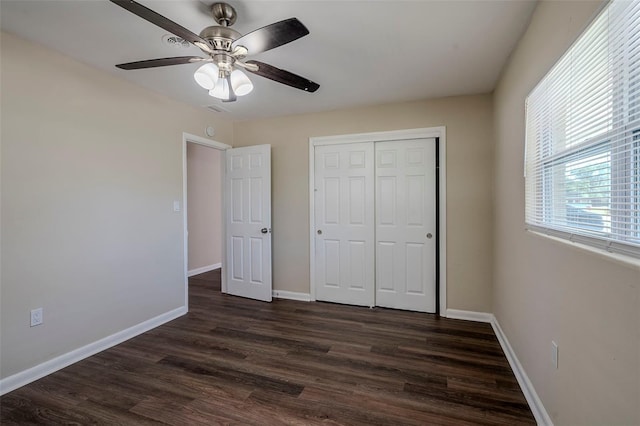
{"points": [[545, 205]]}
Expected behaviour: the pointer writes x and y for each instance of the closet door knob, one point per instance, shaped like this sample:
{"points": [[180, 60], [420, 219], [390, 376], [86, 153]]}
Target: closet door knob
{"points": [[429, 236], [319, 231]]}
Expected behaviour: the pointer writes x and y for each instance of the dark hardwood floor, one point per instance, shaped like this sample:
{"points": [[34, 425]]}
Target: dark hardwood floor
{"points": [[238, 361]]}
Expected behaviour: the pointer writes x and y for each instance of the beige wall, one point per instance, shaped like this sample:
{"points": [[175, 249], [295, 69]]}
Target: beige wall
{"points": [[468, 120], [548, 290], [91, 165], [204, 205]]}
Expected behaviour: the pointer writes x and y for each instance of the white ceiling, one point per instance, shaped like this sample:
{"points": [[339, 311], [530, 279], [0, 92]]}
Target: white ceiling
{"points": [[360, 52]]}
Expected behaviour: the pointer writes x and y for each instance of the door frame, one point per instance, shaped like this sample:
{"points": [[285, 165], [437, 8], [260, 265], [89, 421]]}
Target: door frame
{"points": [[199, 140], [393, 135]]}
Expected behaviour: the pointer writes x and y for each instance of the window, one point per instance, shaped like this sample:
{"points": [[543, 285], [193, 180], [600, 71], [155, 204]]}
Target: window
{"points": [[582, 163]]}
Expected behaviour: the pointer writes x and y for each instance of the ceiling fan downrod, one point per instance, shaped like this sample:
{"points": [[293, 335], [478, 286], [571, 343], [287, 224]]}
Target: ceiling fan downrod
{"points": [[224, 14]]}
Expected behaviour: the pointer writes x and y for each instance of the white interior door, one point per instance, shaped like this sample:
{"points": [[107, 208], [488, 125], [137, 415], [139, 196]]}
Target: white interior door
{"points": [[248, 222], [344, 214], [406, 224]]}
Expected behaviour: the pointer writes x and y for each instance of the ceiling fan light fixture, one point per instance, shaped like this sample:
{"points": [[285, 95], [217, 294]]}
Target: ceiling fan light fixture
{"points": [[241, 83], [221, 90], [207, 76]]}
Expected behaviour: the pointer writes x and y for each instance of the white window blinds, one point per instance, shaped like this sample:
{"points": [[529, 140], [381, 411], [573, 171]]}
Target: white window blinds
{"points": [[582, 163]]}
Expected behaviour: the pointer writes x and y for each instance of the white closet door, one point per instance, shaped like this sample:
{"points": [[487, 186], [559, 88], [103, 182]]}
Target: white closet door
{"points": [[406, 224], [344, 212]]}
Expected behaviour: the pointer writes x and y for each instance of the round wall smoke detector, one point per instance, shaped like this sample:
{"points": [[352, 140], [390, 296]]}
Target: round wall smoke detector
{"points": [[175, 41]]}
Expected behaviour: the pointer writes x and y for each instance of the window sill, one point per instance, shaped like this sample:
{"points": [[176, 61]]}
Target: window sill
{"points": [[616, 257]]}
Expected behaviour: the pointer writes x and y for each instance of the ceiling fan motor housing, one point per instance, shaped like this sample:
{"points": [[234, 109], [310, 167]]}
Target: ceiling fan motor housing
{"points": [[220, 38]]}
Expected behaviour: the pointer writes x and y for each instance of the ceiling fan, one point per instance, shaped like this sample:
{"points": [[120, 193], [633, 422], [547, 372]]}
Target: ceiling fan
{"points": [[225, 50]]}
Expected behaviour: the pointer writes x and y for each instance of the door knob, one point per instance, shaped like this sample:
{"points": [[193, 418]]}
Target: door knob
{"points": [[319, 231], [264, 230], [429, 236]]}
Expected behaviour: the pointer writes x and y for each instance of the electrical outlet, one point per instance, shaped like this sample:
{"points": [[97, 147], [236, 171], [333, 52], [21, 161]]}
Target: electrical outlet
{"points": [[554, 354], [36, 317]]}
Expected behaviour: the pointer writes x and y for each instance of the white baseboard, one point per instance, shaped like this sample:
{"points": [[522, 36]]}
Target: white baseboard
{"points": [[469, 315], [34, 373], [291, 295], [203, 269], [539, 412]]}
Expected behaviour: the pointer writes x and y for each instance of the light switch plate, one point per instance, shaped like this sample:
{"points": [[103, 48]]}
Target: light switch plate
{"points": [[36, 317]]}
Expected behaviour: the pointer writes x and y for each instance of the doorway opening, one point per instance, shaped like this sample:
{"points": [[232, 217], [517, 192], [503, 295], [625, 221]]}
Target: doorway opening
{"points": [[203, 206], [204, 209]]}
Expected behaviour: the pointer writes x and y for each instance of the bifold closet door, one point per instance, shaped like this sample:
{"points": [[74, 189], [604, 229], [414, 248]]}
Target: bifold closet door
{"points": [[406, 224], [344, 228]]}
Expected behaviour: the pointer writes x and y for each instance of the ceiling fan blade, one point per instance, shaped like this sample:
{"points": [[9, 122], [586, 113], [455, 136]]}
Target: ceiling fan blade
{"points": [[272, 36], [167, 24], [284, 77], [162, 62]]}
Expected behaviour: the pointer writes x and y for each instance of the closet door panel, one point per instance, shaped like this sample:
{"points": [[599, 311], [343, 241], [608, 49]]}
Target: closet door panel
{"points": [[344, 228], [405, 218]]}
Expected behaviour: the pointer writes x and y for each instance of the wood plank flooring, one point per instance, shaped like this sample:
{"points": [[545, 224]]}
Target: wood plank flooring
{"points": [[238, 361]]}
